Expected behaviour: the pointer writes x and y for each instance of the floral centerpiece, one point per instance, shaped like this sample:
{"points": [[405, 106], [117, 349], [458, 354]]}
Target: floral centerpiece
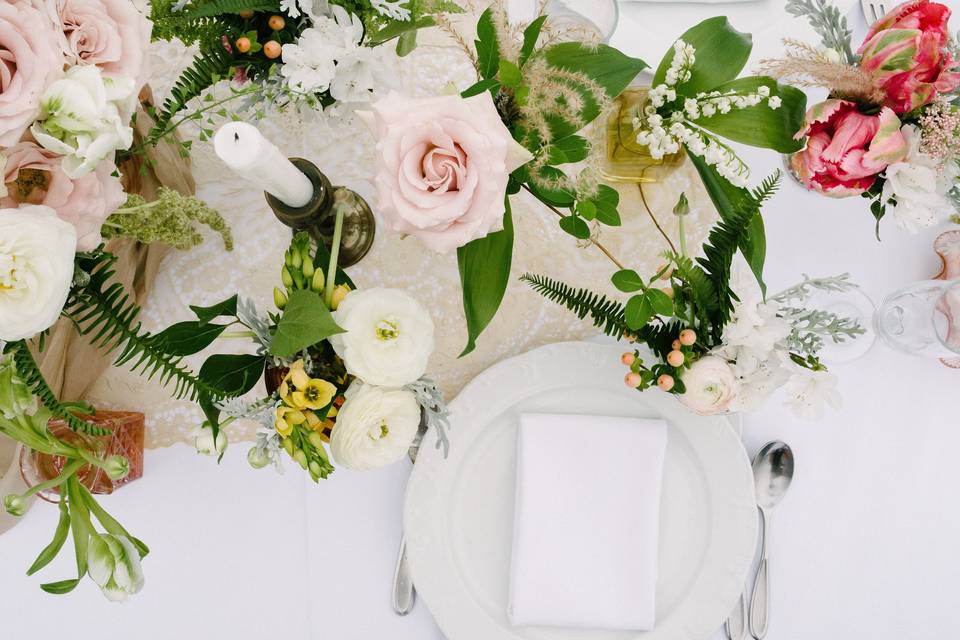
{"points": [[889, 130], [447, 166], [345, 368], [73, 72]]}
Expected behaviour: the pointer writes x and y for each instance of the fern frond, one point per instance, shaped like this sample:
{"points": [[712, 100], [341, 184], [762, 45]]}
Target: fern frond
{"points": [[104, 313], [605, 314], [212, 64], [210, 8], [29, 372]]}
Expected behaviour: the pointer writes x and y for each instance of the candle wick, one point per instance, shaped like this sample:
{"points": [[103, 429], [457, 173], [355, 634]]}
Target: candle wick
{"points": [[236, 137]]}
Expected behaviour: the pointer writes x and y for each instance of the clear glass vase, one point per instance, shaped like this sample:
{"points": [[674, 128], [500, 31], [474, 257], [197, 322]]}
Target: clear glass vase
{"points": [[625, 159], [922, 319]]}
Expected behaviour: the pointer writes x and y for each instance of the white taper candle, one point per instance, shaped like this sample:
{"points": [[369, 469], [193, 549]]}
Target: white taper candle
{"points": [[243, 148]]}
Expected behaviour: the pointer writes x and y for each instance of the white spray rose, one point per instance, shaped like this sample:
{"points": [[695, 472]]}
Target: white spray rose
{"points": [[388, 336], [36, 269], [711, 386], [916, 185], [375, 427], [114, 564], [85, 117]]}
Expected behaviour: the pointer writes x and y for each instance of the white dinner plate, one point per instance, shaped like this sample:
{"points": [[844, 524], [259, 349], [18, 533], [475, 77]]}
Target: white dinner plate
{"points": [[458, 517]]}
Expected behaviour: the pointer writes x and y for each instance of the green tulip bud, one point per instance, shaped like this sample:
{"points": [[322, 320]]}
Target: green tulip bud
{"points": [[286, 278], [117, 467], [682, 207], [318, 281], [15, 505], [279, 298], [315, 439], [300, 457], [258, 458]]}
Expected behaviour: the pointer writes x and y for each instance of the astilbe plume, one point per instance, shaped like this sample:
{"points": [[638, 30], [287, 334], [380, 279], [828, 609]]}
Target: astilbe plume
{"points": [[806, 66]]}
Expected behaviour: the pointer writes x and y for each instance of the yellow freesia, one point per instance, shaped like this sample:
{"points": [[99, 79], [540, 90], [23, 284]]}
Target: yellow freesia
{"points": [[315, 395], [286, 419]]}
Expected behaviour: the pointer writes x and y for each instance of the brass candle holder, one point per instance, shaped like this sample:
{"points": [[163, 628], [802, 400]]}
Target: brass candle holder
{"points": [[318, 216]]}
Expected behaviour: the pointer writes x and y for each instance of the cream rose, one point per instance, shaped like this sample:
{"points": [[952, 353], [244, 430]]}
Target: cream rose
{"points": [[711, 386], [33, 175], [375, 427], [29, 61], [388, 336], [442, 166], [36, 269], [82, 118]]}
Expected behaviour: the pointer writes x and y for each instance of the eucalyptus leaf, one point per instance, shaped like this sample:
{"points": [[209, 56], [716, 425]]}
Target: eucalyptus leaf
{"points": [[484, 273], [721, 54], [627, 280], [305, 322]]}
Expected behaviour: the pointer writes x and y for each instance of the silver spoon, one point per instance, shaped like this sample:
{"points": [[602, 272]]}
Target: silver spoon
{"points": [[772, 473], [404, 594]]}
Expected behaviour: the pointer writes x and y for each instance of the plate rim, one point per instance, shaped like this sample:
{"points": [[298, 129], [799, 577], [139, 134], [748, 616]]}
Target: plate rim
{"points": [[448, 612]]}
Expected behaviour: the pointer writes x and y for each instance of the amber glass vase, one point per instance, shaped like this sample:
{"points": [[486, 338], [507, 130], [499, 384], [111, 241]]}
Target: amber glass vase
{"points": [[625, 159], [125, 440]]}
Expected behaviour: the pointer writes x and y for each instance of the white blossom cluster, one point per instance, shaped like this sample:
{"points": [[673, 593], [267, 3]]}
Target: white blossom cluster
{"points": [[664, 126]]}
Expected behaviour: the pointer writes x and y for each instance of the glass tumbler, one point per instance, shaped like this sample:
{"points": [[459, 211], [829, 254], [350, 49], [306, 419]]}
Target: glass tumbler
{"points": [[922, 319]]}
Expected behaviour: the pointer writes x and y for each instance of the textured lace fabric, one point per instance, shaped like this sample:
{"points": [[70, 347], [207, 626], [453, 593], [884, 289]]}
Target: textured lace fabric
{"points": [[344, 149]]}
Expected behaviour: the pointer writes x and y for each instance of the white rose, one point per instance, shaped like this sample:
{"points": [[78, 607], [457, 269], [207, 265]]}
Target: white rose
{"points": [[375, 426], [916, 185], [388, 336], [85, 117], [711, 386], [36, 269]]}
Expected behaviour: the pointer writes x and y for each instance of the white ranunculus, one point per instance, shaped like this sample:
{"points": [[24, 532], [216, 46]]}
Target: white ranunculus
{"points": [[205, 443], [85, 117], [114, 564], [808, 392], [917, 186], [388, 336], [36, 269], [375, 427], [711, 386]]}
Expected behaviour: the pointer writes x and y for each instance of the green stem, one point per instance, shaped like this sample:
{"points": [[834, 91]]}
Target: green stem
{"points": [[67, 473], [334, 255], [238, 334], [683, 236]]}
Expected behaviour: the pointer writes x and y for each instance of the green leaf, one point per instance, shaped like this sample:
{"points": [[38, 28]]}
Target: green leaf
{"points": [[187, 338], [110, 523], [80, 524], [484, 272], [61, 587], [568, 149], [761, 126], [321, 260], [586, 209], [406, 43], [397, 29], [488, 51], [606, 201], [509, 74], [226, 308], [305, 322], [490, 84], [638, 312], [555, 197], [660, 302], [530, 36], [575, 226], [627, 280], [721, 53], [59, 537], [232, 374]]}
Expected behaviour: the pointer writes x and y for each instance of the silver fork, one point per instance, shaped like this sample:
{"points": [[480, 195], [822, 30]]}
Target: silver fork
{"points": [[404, 594], [873, 10]]}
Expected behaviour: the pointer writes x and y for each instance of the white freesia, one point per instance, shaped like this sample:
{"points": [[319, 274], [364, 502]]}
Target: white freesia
{"points": [[309, 64], [375, 426], [113, 562], [917, 186], [757, 380], [85, 117], [388, 336], [754, 328], [363, 73], [36, 269], [711, 386], [808, 392]]}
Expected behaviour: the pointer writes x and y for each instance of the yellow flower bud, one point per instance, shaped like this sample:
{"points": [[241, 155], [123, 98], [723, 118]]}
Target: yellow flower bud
{"points": [[286, 278], [300, 457], [339, 293], [307, 270], [296, 259], [315, 439], [318, 281], [279, 298]]}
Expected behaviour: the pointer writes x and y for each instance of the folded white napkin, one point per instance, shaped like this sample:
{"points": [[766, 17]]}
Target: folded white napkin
{"points": [[586, 523]]}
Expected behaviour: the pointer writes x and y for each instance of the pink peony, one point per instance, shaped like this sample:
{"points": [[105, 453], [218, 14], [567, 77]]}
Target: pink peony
{"points": [[110, 34], [33, 175], [906, 54], [29, 62], [442, 166], [846, 149]]}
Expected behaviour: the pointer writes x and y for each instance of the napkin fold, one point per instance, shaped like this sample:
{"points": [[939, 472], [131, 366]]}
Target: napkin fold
{"points": [[586, 522]]}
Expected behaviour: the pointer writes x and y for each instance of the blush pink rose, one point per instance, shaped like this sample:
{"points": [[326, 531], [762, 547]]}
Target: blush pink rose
{"points": [[906, 54], [29, 62], [111, 34], [846, 149], [33, 176], [442, 166]]}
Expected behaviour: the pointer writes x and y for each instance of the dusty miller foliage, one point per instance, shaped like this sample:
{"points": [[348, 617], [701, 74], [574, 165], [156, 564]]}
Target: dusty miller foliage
{"points": [[810, 327], [430, 398], [829, 24]]}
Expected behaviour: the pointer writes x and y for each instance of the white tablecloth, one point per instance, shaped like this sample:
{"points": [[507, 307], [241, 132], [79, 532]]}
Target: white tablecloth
{"points": [[863, 546]]}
